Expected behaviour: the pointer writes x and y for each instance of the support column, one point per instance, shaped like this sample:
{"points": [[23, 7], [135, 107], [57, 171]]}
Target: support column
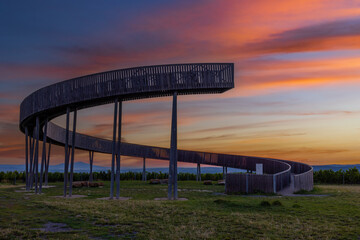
{"points": [[66, 165], [144, 170], [26, 159], [32, 161], [69, 154], [72, 153], [170, 181], [91, 157], [113, 151], [118, 153], [198, 174], [47, 165], [173, 153], [37, 155], [43, 157], [224, 172]]}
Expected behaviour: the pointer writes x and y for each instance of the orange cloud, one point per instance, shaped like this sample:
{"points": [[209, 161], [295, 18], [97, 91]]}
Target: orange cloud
{"points": [[9, 113], [300, 82]]}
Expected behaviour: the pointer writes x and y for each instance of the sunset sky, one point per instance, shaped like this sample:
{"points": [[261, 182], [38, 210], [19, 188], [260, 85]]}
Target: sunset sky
{"points": [[297, 73]]}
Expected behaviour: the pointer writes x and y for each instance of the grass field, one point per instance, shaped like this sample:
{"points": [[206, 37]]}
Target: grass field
{"points": [[206, 215]]}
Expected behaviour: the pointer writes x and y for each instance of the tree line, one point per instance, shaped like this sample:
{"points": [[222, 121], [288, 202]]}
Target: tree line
{"points": [[350, 176], [15, 176]]}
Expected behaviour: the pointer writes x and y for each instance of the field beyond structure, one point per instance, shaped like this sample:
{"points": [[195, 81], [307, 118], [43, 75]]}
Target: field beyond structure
{"points": [[207, 214]]}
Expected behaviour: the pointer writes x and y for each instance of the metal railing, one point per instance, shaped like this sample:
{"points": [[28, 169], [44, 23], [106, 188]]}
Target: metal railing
{"points": [[144, 82], [127, 84]]}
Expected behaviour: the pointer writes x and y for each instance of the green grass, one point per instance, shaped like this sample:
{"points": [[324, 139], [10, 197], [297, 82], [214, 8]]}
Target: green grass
{"points": [[204, 216]]}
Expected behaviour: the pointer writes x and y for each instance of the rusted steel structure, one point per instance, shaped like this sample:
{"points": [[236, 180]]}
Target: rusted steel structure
{"points": [[37, 110]]}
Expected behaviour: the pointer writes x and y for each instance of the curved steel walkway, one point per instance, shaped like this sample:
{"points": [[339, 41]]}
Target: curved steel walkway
{"points": [[40, 107]]}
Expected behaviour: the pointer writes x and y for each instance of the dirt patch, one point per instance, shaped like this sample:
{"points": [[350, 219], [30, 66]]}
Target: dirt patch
{"points": [[72, 197], [119, 199], [218, 194], [131, 235], [261, 196], [194, 190], [23, 191], [9, 186], [48, 186], [165, 199], [189, 190], [54, 227], [306, 195]]}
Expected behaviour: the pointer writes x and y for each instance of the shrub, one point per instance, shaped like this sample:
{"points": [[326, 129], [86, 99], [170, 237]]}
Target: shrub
{"points": [[277, 203], [265, 204], [221, 201]]}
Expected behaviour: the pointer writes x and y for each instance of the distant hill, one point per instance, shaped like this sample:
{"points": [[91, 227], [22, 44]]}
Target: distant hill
{"points": [[85, 167]]}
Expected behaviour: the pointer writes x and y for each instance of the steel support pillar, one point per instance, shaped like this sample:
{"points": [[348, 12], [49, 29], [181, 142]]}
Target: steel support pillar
{"points": [[72, 152], [197, 172], [144, 170], [43, 156], [66, 165], [26, 159], [198, 175], [37, 154], [47, 165], [172, 185], [113, 150], [91, 158], [68, 157], [170, 181], [224, 172], [118, 153], [32, 161]]}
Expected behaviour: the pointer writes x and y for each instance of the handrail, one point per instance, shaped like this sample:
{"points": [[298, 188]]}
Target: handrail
{"points": [[134, 83]]}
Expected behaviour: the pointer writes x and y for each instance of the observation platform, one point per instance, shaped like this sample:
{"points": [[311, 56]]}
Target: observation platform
{"points": [[39, 108]]}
